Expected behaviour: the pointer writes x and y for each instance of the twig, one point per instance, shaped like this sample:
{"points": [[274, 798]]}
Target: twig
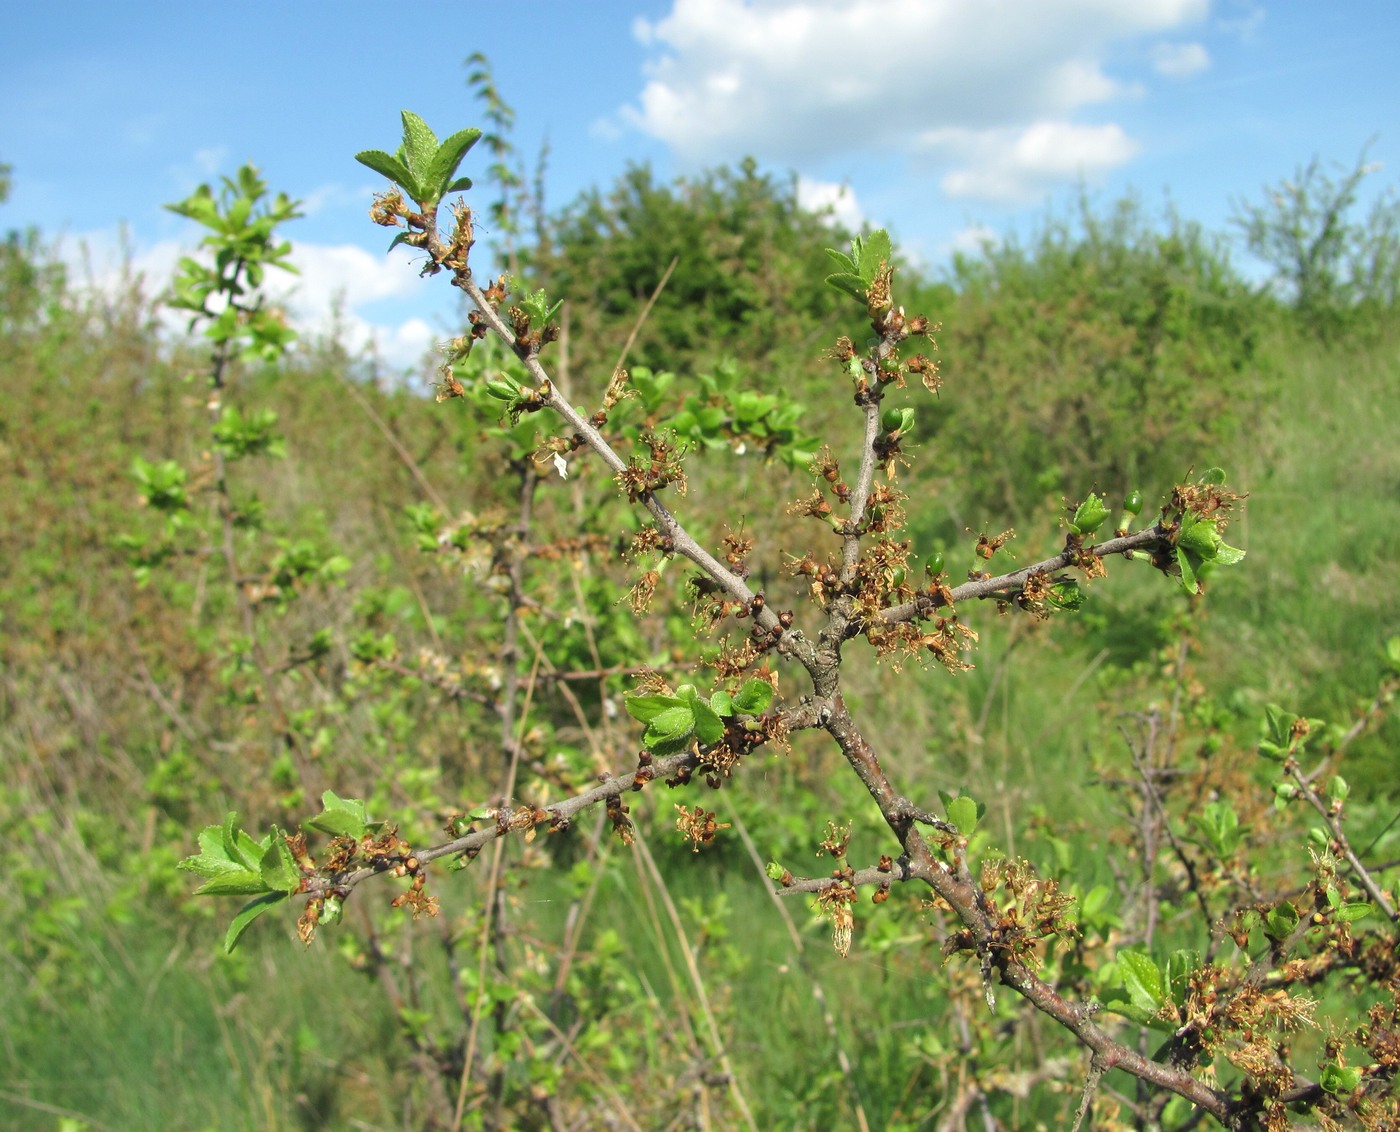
{"points": [[646, 310], [403, 454]]}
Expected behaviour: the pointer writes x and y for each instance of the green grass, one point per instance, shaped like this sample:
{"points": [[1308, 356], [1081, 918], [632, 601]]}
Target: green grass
{"points": [[118, 1012], [158, 1032]]}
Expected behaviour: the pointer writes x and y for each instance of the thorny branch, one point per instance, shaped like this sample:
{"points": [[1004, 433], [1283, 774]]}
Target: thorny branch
{"points": [[936, 859]]}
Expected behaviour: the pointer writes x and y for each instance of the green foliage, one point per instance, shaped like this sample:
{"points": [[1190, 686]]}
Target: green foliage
{"points": [[418, 651], [1105, 351], [423, 167], [243, 238], [673, 722], [744, 255], [869, 256], [1338, 271]]}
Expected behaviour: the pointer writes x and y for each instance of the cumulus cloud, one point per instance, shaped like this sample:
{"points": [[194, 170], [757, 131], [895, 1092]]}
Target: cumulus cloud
{"points": [[836, 202], [356, 276], [335, 284], [1179, 60], [972, 240], [1017, 165], [329, 294], [801, 81]]}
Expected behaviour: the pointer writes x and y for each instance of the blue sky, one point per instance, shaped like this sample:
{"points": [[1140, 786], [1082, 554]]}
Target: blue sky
{"points": [[944, 120]]}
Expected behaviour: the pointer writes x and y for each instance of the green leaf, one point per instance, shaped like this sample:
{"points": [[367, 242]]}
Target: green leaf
{"points": [[1276, 732], [1280, 922], [1180, 965], [448, 156], [278, 870], [1220, 826], [754, 697], [844, 262], [672, 724], [341, 817], [1339, 1079], [539, 309], [388, 166], [1199, 536], [871, 252], [213, 862], [645, 708], [240, 882], [1348, 913], [1089, 516], [1067, 595], [709, 728], [250, 912], [964, 812], [1188, 571], [239, 846], [1228, 555], [852, 285], [420, 147], [722, 703], [1143, 980]]}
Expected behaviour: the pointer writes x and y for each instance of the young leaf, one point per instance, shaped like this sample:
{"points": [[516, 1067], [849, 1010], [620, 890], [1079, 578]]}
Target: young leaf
{"points": [[1198, 536], [843, 261], [1339, 1079], [420, 147], [1228, 555], [449, 155], [250, 912], [754, 697], [1143, 980], [671, 725], [646, 708], [1392, 653], [1180, 965], [278, 870], [709, 728], [852, 285], [1280, 922], [1276, 732], [1089, 516], [1188, 571], [341, 817], [388, 166], [964, 813], [242, 882], [874, 250]]}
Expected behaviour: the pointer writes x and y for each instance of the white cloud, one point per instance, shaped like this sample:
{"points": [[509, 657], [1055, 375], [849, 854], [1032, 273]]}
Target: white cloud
{"points": [[330, 273], [803, 81], [972, 240], [1018, 165], [837, 201], [333, 285], [1179, 60]]}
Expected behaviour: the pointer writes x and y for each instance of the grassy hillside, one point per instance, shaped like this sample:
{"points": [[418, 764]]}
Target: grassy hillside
{"points": [[130, 715]]}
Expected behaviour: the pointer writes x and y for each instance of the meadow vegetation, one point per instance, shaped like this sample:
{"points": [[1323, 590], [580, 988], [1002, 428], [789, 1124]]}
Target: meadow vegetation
{"points": [[230, 585]]}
